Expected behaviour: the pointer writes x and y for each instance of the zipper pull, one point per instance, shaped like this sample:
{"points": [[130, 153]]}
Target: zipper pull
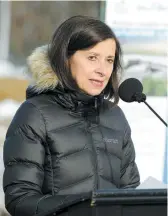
{"points": [[97, 118], [96, 103]]}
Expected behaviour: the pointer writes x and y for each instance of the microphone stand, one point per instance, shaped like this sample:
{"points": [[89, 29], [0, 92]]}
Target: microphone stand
{"points": [[141, 97]]}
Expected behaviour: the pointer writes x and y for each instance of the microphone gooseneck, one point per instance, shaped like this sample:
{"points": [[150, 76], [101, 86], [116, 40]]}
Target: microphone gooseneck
{"points": [[131, 90]]}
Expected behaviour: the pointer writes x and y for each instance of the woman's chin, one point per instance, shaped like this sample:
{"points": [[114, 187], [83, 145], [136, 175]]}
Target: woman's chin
{"points": [[94, 92]]}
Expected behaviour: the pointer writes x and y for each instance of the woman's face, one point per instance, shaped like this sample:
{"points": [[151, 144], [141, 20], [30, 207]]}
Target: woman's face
{"points": [[93, 67]]}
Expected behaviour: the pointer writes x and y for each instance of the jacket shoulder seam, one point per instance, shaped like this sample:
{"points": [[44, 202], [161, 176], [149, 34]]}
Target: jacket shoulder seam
{"points": [[41, 113]]}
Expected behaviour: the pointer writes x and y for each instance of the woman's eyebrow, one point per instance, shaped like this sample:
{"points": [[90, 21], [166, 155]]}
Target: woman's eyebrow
{"points": [[97, 54], [94, 53], [110, 56]]}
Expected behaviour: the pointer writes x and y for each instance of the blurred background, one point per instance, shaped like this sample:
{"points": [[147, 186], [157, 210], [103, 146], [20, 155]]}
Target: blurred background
{"points": [[142, 29]]}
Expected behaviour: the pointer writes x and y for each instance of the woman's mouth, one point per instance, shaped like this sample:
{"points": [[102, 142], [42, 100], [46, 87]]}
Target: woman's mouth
{"points": [[97, 83]]}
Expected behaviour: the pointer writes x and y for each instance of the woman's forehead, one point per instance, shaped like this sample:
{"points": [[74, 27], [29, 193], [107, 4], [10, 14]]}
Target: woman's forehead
{"points": [[106, 47]]}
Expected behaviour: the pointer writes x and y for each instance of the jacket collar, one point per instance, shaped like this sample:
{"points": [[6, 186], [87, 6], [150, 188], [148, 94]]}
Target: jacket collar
{"points": [[44, 80]]}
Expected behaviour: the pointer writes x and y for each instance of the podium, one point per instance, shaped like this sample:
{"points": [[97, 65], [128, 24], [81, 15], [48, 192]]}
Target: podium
{"points": [[114, 202], [131, 202]]}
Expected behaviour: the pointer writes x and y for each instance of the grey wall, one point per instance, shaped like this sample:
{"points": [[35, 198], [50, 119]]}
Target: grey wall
{"points": [[33, 23]]}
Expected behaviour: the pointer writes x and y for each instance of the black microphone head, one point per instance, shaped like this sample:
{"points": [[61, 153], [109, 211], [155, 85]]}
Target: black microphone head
{"points": [[129, 88]]}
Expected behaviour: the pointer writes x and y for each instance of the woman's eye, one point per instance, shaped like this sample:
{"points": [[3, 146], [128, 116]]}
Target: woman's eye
{"points": [[92, 58], [111, 61]]}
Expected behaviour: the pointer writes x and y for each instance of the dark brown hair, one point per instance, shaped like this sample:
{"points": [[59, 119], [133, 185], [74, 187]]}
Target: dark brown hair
{"points": [[79, 33]]}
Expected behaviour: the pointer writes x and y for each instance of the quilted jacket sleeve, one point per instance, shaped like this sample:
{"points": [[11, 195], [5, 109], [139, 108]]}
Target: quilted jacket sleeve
{"points": [[24, 156], [130, 177]]}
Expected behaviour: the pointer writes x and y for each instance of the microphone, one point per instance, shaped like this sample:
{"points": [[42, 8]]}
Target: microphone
{"points": [[131, 90]]}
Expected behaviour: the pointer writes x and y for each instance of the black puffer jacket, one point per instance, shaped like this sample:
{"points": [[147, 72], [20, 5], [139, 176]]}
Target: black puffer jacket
{"points": [[61, 143]]}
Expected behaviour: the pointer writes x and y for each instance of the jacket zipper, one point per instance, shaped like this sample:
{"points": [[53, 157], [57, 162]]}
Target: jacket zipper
{"points": [[95, 162], [96, 186]]}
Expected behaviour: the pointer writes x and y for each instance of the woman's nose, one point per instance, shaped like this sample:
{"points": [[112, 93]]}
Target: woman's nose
{"points": [[101, 74], [101, 70]]}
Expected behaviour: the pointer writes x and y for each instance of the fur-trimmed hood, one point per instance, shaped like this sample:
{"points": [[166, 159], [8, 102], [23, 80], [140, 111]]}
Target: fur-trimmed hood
{"points": [[42, 77]]}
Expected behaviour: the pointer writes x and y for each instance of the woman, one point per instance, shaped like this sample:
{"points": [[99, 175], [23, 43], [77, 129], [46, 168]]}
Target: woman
{"points": [[68, 138]]}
